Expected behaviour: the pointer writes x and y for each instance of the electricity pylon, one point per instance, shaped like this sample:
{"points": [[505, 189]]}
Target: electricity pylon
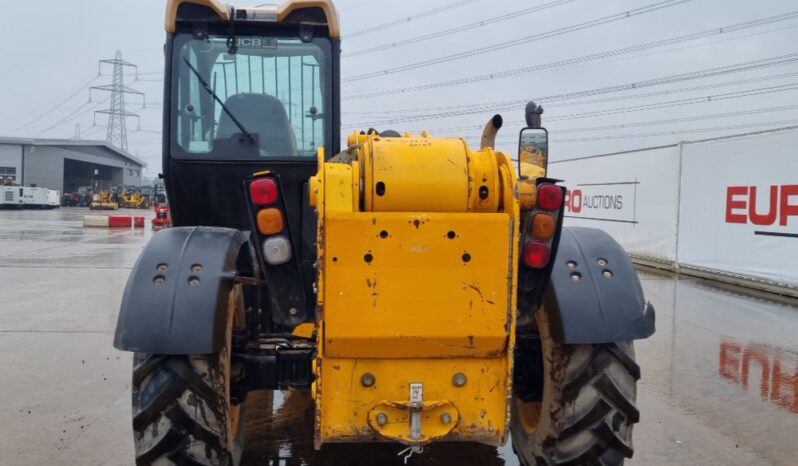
{"points": [[116, 134]]}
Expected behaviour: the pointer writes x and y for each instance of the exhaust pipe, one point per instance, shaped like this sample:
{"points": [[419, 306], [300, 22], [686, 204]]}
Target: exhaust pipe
{"points": [[489, 133]]}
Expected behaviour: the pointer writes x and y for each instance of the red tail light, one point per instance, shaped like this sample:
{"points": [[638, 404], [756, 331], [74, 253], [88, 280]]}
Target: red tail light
{"points": [[536, 254], [549, 197], [264, 191]]}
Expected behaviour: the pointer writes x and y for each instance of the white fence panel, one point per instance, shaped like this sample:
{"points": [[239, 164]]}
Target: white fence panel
{"points": [[631, 195], [739, 206]]}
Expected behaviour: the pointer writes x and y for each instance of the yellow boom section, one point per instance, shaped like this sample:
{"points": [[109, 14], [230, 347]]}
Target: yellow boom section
{"points": [[417, 257]]}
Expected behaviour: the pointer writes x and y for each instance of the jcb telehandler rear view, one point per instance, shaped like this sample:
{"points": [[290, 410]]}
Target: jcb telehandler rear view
{"points": [[417, 289]]}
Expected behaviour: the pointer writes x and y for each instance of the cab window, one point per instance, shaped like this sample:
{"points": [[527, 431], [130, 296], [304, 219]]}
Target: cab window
{"points": [[249, 97]]}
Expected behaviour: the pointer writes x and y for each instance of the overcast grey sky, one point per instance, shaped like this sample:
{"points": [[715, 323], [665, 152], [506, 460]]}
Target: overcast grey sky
{"points": [[51, 51]]}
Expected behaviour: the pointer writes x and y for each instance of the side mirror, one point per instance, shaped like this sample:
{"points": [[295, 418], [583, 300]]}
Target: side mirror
{"points": [[533, 151]]}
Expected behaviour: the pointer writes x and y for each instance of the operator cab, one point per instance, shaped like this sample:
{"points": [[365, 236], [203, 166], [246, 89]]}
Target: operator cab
{"points": [[248, 90]]}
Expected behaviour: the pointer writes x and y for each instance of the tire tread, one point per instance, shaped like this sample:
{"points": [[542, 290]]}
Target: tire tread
{"points": [[175, 376], [592, 408]]}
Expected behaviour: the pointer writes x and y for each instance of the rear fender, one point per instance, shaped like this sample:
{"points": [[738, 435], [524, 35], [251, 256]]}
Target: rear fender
{"points": [[175, 301], [594, 295]]}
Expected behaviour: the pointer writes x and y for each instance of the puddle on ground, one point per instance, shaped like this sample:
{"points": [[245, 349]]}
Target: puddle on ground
{"points": [[728, 358]]}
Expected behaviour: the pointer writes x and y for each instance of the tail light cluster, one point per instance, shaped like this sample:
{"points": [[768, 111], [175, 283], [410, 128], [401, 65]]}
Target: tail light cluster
{"points": [[265, 194], [271, 237], [541, 226]]}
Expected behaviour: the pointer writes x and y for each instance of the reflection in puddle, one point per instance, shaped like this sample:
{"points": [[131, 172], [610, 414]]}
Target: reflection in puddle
{"points": [[778, 371], [728, 361]]}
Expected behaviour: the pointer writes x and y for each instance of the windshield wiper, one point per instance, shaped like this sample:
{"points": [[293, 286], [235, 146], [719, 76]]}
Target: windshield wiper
{"points": [[207, 87]]}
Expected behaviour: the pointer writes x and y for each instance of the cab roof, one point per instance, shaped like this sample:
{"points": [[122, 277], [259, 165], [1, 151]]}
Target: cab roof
{"points": [[288, 12]]}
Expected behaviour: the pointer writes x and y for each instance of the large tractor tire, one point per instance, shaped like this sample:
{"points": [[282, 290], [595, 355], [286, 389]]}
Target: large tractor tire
{"points": [[182, 413], [583, 411]]}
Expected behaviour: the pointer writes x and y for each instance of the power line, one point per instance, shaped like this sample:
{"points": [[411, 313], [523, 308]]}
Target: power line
{"points": [[681, 90], [770, 124], [671, 103], [780, 60], [626, 110], [567, 100], [668, 92], [460, 110], [578, 60], [50, 111], [93, 128], [767, 125], [424, 14], [612, 55], [74, 114], [670, 121], [466, 27], [519, 122], [520, 41], [678, 102]]}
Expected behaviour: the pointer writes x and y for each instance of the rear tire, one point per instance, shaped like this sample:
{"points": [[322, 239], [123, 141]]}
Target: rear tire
{"points": [[182, 414], [585, 413]]}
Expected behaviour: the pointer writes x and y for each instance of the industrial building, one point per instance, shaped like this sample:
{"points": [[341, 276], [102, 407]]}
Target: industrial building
{"points": [[67, 164]]}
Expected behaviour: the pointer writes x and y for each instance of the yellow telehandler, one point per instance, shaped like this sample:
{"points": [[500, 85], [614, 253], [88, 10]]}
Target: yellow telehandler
{"points": [[418, 290]]}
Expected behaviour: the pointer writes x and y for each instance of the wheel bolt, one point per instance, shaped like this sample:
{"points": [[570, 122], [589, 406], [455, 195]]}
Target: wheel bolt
{"points": [[446, 418], [459, 379], [382, 419]]}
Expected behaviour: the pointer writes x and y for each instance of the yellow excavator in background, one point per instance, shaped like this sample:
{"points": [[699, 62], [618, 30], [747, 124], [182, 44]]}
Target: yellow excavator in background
{"points": [[416, 289], [134, 200]]}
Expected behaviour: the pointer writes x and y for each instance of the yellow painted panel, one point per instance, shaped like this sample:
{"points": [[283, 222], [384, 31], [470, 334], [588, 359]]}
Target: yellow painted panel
{"points": [[481, 403], [400, 285], [338, 177]]}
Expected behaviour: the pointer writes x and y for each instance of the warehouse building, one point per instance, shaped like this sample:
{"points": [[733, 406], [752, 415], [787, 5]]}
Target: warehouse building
{"points": [[67, 164]]}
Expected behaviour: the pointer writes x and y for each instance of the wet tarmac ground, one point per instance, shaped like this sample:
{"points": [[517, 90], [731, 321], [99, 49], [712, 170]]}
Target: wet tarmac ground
{"points": [[719, 386]]}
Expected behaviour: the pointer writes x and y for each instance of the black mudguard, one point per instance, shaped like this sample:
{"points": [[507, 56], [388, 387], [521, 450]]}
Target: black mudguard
{"points": [[592, 303], [175, 301]]}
